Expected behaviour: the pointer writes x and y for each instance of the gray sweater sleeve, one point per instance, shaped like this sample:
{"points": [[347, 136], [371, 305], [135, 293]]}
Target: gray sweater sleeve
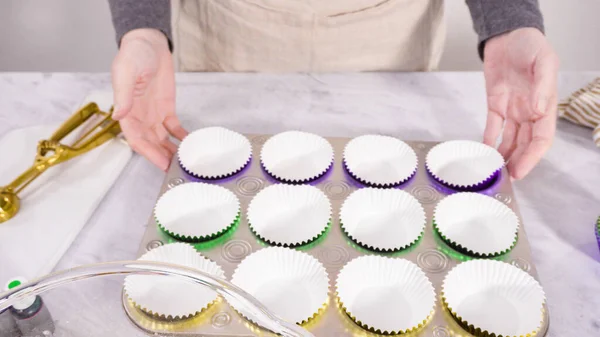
{"points": [[494, 17], [128, 15], [490, 17]]}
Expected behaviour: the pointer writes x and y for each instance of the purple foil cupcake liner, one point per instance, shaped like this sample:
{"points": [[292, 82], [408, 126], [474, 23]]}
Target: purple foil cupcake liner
{"points": [[598, 232], [483, 185], [220, 177], [312, 180], [369, 184]]}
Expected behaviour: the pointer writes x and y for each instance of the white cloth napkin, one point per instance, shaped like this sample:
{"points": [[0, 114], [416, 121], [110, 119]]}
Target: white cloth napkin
{"points": [[56, 206]]}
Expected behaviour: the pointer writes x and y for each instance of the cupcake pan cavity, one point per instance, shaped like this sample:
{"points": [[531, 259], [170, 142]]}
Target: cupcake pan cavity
{"points": [[333, 249]]}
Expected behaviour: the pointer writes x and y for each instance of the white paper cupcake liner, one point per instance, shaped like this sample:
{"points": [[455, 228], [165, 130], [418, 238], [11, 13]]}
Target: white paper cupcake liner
{"points": [[382, 219], [168, 297], [494, 298], [289, 215], [463, 164], [380, 161], [290, 283], [214, 153], [385, 295], [296, 156], [476, 224], [197, 211]]}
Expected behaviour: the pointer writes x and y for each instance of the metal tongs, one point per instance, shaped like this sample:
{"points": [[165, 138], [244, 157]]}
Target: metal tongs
{"points": [[51, 152]]}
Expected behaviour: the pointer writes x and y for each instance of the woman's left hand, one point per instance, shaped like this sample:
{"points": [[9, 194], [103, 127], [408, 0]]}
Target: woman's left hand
{"points": [[521, 71]]}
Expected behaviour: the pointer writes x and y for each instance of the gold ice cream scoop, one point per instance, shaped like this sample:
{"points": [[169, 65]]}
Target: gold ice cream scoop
{"points": [[98, 127]]}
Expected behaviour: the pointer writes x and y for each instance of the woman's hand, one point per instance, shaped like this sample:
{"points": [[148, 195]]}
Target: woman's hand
{"points": [[521, 69], [143, 82]]}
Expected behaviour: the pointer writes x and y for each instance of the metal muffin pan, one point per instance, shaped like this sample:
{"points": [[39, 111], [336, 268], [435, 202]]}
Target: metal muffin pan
{"points": [[334, 249]]}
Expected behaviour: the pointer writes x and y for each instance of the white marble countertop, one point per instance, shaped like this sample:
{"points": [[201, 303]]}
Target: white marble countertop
{"points": [[559, 201]]}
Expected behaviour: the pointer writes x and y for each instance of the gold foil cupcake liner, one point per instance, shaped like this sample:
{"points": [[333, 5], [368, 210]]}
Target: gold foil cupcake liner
{"points": [[168, 299], [388, 281], [307, 323], [487, 281], [285, 268], [379, 331], [152, 323], [170, 318], [479, 332]]}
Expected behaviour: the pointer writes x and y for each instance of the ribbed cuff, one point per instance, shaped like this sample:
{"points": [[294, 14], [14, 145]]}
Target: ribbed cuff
{"points": [[495, 17], [128, 15]]}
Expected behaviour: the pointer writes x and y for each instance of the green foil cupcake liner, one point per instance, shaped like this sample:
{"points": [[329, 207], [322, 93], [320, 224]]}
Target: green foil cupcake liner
{"points": [[464, 250], [288, 245], [195, 239], [377, 249]]}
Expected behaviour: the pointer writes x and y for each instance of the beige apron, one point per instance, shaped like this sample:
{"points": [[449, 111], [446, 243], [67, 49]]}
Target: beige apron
{"points": [[307, 35]]}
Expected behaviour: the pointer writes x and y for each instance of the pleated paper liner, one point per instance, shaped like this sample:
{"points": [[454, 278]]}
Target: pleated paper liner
{"points": [[476, 224], [464, 165], [351, 327], [197, 211], [398, 288], [478, 332], [384, 220], [304, 245], [468, 252], [289, 215], [214, 153], [380, 161], [168, 298], [494, 298], [307, 325], [149, 322], [199, 239], [296, 157], [292, 284]]}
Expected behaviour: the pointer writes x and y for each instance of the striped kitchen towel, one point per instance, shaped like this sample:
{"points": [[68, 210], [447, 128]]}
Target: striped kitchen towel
{"points": [[583, 108]]}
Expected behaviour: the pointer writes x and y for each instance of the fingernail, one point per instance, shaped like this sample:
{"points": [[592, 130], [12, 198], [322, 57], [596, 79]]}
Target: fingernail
{"points": [[541, 106], [165, 164], [116, 112]]}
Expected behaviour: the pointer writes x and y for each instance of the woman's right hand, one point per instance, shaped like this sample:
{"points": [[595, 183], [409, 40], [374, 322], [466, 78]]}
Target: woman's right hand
{"points": [[143, 82]]}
